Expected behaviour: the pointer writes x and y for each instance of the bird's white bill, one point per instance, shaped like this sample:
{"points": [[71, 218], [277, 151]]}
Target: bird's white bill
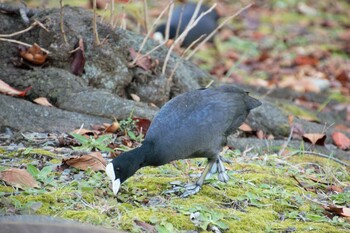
{"points": [[157, 36], [111, 175], [116, 186]]}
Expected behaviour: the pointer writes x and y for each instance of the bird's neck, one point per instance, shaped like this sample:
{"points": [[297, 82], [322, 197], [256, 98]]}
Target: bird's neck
{"points": [[138, 156]]}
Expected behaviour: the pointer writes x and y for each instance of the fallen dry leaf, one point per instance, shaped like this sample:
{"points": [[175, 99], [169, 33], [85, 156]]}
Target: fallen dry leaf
{"points": [[341, 140], [112, 128], [245, 128], [298, 131], [260, 134], [306, 60], [86, 132], [135, 97], [42, 101], [8, 90], [341, 211], [94, 160], [335, 188], [145, 226], [142, 124], [304, 185], [290, 119], [145, 62], [33, 54], [78, 62], [19, 178], [315, 138]]}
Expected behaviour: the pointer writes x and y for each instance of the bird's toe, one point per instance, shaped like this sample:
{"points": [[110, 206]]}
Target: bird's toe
{"points": [[191, 189], [184, 190], [223, 177]]}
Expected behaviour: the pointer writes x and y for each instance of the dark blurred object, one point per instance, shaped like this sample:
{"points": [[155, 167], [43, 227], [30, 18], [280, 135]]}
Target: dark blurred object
{"points": [[180, 19], [46, 224]]}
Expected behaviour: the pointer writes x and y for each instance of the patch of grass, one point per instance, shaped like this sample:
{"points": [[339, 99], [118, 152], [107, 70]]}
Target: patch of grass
{"points": [[300, 112], [91, 143]]}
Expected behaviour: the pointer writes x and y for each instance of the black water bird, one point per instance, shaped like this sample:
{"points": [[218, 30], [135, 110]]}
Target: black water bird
{"points": [[181, 17], [191, 125]]}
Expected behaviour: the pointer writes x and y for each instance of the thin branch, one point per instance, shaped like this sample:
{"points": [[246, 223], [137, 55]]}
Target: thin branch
{"points": [[122, 20], [320, 155], [22, 43], [25, 30], [216, 29], [94, 25], [209, 84], [61, 23], [183, 35], [196, 11], [149, 33], [181, 58], [287, 142], [167, 27], [104, 12], [152, 50], [145, 15], [112, 13]]}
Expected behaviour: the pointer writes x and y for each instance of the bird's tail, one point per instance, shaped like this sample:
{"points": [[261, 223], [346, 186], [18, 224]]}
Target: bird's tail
{"points": [[252, 102]]}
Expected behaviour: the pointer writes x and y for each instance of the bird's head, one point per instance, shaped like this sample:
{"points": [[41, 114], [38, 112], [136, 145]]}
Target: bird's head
{"points": [[122, 167]]}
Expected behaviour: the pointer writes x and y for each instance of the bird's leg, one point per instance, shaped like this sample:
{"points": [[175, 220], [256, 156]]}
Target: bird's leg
{"points": [[223, 177], [218, 167], [191, 189]]}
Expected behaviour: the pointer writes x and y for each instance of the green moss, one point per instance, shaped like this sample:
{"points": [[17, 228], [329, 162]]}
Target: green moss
{"points": [[2, 150], [6, 189], [178, 220], [299, 112], [307, 158], [92, 216], [38, 151]]}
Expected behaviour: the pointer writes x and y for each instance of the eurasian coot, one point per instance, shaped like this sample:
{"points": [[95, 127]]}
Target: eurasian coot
{"points": [[191, 125], [181, 17]]}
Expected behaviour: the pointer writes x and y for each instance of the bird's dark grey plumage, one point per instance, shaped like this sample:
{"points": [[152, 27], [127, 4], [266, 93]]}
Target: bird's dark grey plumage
{"points": [[192, 125], [181, 17]]}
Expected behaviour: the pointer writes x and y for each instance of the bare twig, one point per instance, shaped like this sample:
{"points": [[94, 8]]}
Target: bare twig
{"points": [[25, 30], [145, 14], [209, 84], [312, 200], [216, 29], [74, 50], [167, 27], [181, 58], [183, 35], [104, 10], [287, 142], [122, 20], [94, 25], [61, 23], [318, 154], [149, 33], [22, 43], [151, 51], [112, 13]]}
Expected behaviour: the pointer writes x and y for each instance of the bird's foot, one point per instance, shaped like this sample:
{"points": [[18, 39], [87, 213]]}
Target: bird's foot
{"points": [[222, 176], [218, 167], [183, 190]]}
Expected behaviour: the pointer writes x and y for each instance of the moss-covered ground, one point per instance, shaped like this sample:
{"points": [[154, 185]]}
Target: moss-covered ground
{"points": [[262, 195]]}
